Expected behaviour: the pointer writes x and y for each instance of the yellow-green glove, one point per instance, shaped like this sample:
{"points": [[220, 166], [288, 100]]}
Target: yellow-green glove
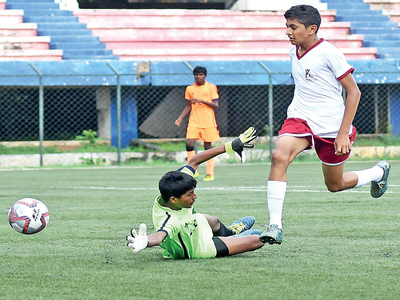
{"points": [[243, 141]]}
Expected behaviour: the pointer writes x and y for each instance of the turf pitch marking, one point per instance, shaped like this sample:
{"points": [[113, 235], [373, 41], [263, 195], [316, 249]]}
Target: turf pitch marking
{"points": [[304, 189]]}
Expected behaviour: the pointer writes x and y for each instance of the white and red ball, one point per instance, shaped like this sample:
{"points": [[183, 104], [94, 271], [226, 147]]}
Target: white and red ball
{"points": [[28, 216]]}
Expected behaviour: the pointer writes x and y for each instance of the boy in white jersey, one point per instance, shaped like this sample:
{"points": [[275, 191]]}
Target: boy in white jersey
{"points": [[317, 117], [183, 233]]}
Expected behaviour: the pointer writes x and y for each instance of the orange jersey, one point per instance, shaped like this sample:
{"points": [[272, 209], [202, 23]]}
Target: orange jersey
{"points": [[201, 115]]}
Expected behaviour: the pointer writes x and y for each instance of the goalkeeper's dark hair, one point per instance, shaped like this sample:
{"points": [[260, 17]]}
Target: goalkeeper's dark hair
{"points": [[304, 14], [200, 70], [175, 184]]}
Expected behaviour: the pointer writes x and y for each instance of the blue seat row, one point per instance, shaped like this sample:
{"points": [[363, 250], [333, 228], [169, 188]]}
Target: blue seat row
{"points": [[378, 30], [65, 30]]}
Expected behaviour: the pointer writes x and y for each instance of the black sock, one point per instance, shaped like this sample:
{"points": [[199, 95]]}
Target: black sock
{"points": [[223, 231]]}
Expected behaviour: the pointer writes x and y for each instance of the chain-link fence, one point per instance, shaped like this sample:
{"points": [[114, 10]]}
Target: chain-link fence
{"points": [[122, 113]]}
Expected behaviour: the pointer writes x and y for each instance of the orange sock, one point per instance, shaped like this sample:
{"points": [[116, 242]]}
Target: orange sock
{"points": [[190, 155], [210, 167]]}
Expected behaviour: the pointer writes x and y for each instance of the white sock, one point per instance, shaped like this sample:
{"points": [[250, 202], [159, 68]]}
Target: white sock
{"points": [[276, 195], [366, 176]]}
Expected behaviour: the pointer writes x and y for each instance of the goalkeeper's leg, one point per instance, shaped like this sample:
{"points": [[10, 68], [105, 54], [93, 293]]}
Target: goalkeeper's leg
{"points": [[218, 228], [241, 244]]}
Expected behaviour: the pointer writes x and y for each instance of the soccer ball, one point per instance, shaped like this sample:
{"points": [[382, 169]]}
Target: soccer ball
{"points": [[28, 216]]}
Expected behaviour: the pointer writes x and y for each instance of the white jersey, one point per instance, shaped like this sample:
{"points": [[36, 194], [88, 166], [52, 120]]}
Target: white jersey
{"points": [[318, 92]]}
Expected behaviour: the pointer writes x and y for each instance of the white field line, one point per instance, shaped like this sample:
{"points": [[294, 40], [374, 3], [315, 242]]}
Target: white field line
{"points": [[303, 189]]}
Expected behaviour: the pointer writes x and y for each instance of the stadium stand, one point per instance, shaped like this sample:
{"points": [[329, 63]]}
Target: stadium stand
{"points": [[390, 5], [378, 29], [389, 8], [214, 35], [19, 41], [64, 30]]}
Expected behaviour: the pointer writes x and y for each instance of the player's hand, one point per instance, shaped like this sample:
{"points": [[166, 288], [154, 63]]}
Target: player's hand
{"points": [[342, 145], [241, 142], [178, 122], [194, 101], [138, 241]]}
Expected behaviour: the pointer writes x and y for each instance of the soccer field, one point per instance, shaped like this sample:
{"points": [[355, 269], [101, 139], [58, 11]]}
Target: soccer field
{"points": [[336, 245]]}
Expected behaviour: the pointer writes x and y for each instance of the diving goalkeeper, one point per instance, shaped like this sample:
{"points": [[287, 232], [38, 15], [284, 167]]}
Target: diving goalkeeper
{"points": [[183, 233]]}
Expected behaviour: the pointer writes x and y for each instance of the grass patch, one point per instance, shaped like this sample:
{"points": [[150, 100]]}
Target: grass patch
{"points": [[85, 148], [336, 245], [374, 141], [361, 141]]}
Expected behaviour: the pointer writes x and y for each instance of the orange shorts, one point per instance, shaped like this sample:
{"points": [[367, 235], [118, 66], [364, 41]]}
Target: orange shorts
{"points": [[208, 135]]}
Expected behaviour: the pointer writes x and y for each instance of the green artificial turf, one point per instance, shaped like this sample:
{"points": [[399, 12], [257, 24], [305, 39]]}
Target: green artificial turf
{"points": [[336, 245]]}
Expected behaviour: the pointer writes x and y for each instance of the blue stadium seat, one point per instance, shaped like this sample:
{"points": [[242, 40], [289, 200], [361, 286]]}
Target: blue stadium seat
{"points": [[361, 18], [65, 30], [47, 12], [339, 5], [378, 30], [47, 19], [31, 5]]}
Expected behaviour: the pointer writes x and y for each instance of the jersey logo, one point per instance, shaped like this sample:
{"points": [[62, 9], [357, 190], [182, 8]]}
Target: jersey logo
{"points": [[308, 75], [191, 226]]}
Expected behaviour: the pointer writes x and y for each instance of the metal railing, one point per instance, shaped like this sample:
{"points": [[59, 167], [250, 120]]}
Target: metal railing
{"points": [[119, 112]]}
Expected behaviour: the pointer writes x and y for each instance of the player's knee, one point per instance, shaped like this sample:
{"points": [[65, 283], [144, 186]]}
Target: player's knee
{"points": [[333, 186], [215, 223], [280, 157]]}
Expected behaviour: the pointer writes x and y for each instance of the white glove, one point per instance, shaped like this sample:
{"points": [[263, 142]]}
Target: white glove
{"points": [[138, 241]]}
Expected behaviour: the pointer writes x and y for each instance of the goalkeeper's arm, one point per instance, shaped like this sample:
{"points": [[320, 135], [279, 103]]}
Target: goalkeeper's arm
{"points": [[139, 241], [237, 145], [241, 142]]}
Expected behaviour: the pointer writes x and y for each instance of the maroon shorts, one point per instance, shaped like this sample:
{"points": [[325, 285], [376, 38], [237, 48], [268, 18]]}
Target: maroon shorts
{"points": [[324, 147]]}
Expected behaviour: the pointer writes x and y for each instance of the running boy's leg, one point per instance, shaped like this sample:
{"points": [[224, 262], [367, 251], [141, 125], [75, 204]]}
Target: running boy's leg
{"points": [[336, 180], [286, 149]]}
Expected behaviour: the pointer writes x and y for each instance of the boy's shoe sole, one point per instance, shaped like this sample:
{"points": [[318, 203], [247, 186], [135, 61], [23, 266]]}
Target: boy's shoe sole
{"points": [[272, 235], [248, 232], [380, 187], [242, 224]]}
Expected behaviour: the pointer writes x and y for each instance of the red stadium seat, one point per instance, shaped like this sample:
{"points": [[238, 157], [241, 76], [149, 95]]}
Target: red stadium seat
{"points": [[208, 34]]}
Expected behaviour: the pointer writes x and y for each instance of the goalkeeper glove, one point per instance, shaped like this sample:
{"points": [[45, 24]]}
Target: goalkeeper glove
{"points": [[138, 241], [243, 141]]}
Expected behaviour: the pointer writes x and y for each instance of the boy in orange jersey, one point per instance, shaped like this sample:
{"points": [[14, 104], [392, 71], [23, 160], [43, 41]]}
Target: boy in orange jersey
{"points": [[202, 98]]}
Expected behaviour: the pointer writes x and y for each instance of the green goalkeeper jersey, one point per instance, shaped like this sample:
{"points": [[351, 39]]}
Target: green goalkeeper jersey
{"points": [[189, 234]]}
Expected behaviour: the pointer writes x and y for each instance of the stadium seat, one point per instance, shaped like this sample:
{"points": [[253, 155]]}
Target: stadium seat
{"points": [[66, 34], [19, 41], [30, 55], [387, 5], [229, 35], [379, 28]]}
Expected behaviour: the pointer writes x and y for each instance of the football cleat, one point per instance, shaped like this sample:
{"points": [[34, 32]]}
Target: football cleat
{"points": [[196, 174], [272, 235], [209, 178], [380, 187], [248, 232], [242, 224]]}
